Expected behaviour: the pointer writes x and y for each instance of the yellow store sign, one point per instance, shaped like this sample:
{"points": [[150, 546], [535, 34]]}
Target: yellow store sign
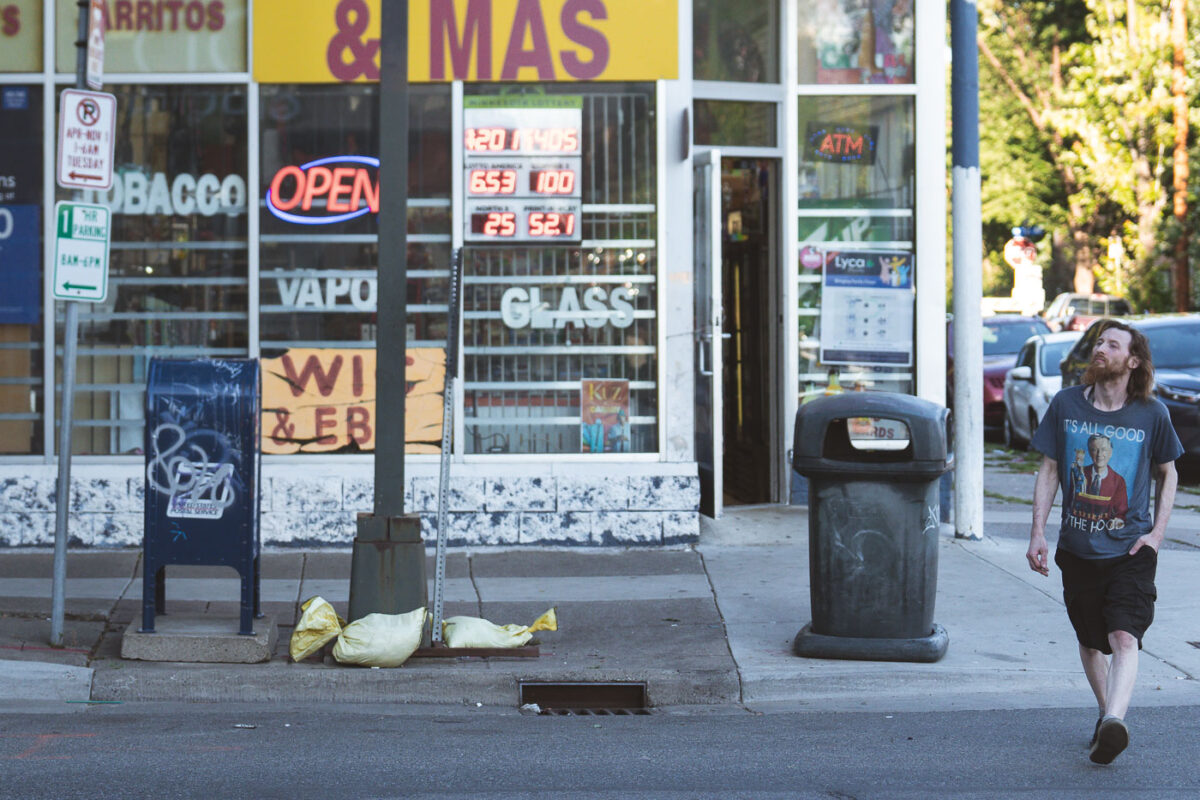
{"points": [[331, 41], [20, 35]]}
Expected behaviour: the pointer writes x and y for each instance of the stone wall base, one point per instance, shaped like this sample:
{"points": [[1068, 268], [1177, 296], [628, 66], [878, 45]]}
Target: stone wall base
{"points": [[302, 505]]}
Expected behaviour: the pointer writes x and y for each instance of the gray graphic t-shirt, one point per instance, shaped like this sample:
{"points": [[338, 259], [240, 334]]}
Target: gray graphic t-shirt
{"points": [[1104, 460]]}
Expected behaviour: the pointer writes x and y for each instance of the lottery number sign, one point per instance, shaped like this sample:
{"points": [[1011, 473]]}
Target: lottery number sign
{"points": [[522, 163]]}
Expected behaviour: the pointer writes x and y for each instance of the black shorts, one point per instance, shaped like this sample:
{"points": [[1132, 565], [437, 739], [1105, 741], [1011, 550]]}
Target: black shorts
{"points": [[1109, 594]]}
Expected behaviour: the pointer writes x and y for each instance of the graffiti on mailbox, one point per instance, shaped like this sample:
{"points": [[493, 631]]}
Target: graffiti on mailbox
{"points": [[195, 469]]}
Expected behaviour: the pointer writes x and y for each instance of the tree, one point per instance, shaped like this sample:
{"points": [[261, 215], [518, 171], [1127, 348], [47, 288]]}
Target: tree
{"points": [[1093, 78], [1022, 44]]}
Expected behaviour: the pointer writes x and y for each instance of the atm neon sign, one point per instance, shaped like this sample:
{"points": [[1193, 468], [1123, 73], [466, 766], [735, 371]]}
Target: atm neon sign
{"points": [[337, 189]]}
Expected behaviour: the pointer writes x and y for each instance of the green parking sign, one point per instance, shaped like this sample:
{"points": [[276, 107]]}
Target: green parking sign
{"points": [[81, 238]]}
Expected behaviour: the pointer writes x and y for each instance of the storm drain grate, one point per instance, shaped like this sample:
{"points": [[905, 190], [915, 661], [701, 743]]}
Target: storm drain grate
{"points": [[585, 699]]}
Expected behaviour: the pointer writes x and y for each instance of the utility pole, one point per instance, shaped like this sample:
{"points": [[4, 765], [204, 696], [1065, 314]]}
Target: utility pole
{"points": [[387, 571], [1183, 287], [968, 273]]}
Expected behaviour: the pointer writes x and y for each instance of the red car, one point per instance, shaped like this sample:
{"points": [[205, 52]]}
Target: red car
{"points": [[1003, 336]]}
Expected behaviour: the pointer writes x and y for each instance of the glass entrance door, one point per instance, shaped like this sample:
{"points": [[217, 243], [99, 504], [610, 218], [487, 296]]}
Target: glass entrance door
{"points": [[709, 330], [749, 259]]}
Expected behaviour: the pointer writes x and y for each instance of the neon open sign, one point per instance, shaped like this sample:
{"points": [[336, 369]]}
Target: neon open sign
{"points": [[338, 188]]}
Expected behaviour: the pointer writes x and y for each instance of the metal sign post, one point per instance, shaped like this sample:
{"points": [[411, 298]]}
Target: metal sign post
{"points": [[86, 134], [439, 579]]}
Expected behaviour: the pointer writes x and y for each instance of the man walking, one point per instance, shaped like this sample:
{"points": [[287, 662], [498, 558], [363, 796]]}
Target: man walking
{"points": [[1108, 543]]}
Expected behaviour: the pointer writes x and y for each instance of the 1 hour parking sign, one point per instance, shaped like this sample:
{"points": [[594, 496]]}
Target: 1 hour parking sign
{"points": [[81, 236]]}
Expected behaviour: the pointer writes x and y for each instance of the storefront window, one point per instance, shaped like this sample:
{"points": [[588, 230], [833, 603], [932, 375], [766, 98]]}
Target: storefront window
{"points": [[140, 36], [320, 246], [559, 342], [178, 261], [21, 388], [856, 240], [727, 122], [736, 41], [855, 41]]}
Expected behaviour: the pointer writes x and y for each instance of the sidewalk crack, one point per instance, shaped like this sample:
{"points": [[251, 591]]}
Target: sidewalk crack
{"points": [[474, 585], [300, 588], [1055, 596], [112, 610], [737, 668]]}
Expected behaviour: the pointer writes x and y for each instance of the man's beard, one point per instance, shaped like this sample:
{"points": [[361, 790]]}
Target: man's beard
{"points": [[1104, 372]]}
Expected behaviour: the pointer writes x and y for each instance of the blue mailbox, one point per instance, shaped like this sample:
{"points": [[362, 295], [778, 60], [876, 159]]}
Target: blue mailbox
{"points": [[202, 476]]}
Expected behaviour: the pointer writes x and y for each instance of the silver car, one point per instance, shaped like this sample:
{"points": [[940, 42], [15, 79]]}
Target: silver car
{"points": [[1029, 386]]}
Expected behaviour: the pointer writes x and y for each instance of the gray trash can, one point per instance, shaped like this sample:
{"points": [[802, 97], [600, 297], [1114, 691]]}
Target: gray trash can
{"points": [[874, 461]]}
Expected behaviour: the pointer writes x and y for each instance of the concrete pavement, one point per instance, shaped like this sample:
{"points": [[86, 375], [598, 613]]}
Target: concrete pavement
{"points": [[703, 626]]}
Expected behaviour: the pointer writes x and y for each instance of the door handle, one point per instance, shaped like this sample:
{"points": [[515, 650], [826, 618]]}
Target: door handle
{"points": [[703, 337]]}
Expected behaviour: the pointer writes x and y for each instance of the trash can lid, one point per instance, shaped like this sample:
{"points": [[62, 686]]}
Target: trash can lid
{"points": [[872, 432]]}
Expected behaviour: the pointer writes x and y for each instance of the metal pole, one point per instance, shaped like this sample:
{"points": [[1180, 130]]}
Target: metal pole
{"points": [[391, 338], [443, 509], [58, 591], [387, 573], [968, 273]]}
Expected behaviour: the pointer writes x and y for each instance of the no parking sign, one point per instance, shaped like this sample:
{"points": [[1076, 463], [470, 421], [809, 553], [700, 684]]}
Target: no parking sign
{"points": [[87, 124]]}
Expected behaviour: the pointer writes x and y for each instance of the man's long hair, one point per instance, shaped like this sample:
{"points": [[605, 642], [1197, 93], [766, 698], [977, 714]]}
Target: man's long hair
{"points": [[1141, 379]]}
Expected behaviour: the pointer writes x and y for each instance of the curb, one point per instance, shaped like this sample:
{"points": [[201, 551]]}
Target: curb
{"points": [[476, 682], [39, 680]]}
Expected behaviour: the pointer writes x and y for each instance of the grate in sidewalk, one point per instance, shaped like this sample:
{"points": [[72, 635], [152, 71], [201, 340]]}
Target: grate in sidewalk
{"points": [[585, 698]]}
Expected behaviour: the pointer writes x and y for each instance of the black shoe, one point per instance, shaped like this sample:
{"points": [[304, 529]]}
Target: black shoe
{"points": [[1111, 738]]}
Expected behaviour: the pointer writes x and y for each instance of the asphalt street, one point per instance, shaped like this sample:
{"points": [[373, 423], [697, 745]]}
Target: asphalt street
{"points": [[214, 751]]}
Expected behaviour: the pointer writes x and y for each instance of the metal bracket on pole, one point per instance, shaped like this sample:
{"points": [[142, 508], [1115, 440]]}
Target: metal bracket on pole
{"points": [[439, 580]]}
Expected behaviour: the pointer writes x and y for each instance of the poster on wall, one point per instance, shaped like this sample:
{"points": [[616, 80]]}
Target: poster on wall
{"points": [[20, 205], [321, 400], [604, 416], [864, 41], [20, 259], [867, 308]]}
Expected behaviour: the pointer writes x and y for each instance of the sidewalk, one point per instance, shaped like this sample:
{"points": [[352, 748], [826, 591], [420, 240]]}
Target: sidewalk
{"points": [[707, 625]]}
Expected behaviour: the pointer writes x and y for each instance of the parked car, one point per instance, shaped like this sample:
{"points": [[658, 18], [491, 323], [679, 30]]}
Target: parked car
{"points": [[1075, 312], [1032, 383], [1003, 336], [1175, 348]]}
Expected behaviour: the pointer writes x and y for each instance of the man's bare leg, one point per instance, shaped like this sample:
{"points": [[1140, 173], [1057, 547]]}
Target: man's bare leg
{"points": [[1122, 673], [1095, 666], [1112, 735]]}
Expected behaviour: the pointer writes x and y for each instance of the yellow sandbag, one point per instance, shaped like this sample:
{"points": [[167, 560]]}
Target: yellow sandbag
{"points": [[380, 640], [476, 632], [318, 624]]}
